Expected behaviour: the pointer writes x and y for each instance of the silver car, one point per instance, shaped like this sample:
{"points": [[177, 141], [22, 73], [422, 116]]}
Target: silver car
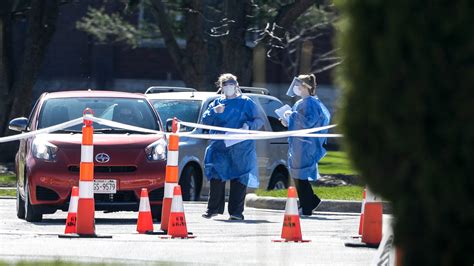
{"points": [[188, 105]]}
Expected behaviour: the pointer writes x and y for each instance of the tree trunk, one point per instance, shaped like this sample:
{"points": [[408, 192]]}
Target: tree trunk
{"points": [[5, 71], [196, 46], [237, 57], [16, 85], [41, 26]]}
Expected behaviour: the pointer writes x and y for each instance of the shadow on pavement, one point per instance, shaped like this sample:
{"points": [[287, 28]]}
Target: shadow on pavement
{"points": [[116, 221], [321, 218], [97, 221], [50, 222], [245, 221]]}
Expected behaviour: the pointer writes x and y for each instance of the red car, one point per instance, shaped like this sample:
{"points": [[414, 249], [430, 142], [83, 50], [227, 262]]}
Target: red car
{"points": [[125, 161]]}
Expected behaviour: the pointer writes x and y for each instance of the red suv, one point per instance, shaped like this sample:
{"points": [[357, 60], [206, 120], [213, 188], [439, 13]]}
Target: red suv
{"points": [[125, 161]]}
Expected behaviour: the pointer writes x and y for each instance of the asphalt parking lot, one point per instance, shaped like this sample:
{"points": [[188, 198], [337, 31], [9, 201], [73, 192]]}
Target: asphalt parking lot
{"points": [[217, 241]]}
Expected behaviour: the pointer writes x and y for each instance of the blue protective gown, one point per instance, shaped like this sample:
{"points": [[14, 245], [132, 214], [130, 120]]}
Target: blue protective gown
{"points": [[238, 161], [305, 153]]}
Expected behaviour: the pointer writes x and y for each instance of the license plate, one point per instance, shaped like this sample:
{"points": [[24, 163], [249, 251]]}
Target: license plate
{"points": [[105, 186]]}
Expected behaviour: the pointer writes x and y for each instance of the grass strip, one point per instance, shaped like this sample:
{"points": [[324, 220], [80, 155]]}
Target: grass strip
{"points": [[8, 192], [336, 162], [332, 193], [7, 180], [54, 263]]}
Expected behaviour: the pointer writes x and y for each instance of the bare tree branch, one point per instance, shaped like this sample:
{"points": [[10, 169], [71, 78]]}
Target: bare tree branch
{"points": [[285, 17], [316, 71]]}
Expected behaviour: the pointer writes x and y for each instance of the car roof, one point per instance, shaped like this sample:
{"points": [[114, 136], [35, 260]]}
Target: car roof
{"points": [[161, 89], [93, 93], [198, 95]]}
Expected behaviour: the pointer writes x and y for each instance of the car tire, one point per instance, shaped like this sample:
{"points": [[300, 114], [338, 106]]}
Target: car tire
{"points": [[20, 203], [278, 180], [190, 183], [32, 213], [156, 212]]}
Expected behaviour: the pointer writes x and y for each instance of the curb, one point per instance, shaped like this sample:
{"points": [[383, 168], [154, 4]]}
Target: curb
{"points": [[274, 203]]}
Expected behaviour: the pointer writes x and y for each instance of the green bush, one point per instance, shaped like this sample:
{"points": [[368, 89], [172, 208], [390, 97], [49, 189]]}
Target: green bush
{"points": [[408, 118]]}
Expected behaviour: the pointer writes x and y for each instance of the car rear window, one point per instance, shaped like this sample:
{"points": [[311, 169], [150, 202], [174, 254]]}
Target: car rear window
{"points": [[185, 110], [269, 106], [135, 112]]}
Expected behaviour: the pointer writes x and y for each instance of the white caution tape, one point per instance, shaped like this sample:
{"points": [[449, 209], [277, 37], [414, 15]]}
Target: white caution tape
{"points": [[248, 134], [237, 130], [269, 135], [202, 126], [111, 123], [57, 127]]}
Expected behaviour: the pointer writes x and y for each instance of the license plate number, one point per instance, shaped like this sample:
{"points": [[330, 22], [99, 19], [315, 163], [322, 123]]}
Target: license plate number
{"points": [[105, 186]]}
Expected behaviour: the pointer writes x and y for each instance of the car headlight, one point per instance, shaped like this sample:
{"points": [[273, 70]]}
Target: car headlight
{"points": [[44, 150], [156, 151]]}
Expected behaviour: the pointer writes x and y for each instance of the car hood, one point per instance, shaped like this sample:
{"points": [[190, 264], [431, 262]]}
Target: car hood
{"points": [[121, 149], [108, 140]]}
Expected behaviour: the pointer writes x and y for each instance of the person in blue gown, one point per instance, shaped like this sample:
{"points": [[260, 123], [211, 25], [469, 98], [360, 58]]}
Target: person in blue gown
{"points": [[236, 162], [304, 153]]}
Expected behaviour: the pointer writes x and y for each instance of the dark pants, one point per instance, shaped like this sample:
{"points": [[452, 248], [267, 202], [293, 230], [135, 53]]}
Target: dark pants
{"points": [[217, 197], [308, 200]]}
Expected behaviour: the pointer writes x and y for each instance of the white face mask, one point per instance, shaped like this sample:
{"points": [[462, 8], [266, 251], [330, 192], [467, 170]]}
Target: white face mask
{"points": [[228, 90], [297, 90]]}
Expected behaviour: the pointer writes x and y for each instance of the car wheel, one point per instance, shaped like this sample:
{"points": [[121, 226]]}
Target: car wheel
{"points": [[156, 212], [20, 203], [278, 181], [190, 184], [32, 213]]}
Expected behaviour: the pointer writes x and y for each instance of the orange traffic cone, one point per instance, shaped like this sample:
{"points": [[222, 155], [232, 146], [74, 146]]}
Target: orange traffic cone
{"points": [[361, 221], [72, 212], [85, 222], [144, 222], [171, 177], [177, 222], [372, 224], [86, 205], [291, 222]]}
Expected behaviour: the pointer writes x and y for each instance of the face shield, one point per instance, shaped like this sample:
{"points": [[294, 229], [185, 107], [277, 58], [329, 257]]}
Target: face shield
{"points": [[296, 86]]}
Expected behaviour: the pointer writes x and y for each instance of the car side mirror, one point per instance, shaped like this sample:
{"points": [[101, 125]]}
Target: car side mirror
{"points": [[18, 124], [169, 125]]}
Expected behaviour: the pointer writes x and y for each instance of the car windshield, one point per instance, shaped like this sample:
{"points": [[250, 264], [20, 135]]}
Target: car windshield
{"points": [[135, 112], [185, 110]]}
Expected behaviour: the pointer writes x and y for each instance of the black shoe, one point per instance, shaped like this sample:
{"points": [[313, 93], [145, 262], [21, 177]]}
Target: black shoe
{"points": [[303, 213], [306, 213], [208, 215], [236, 217], [318, 202]]}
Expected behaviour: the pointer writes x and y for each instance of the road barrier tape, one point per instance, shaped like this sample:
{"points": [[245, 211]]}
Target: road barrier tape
{"points": [[244, 131], [57, 127], [111, 123], [257, 136], [254, 134], [240, 133], [243, 134]]}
